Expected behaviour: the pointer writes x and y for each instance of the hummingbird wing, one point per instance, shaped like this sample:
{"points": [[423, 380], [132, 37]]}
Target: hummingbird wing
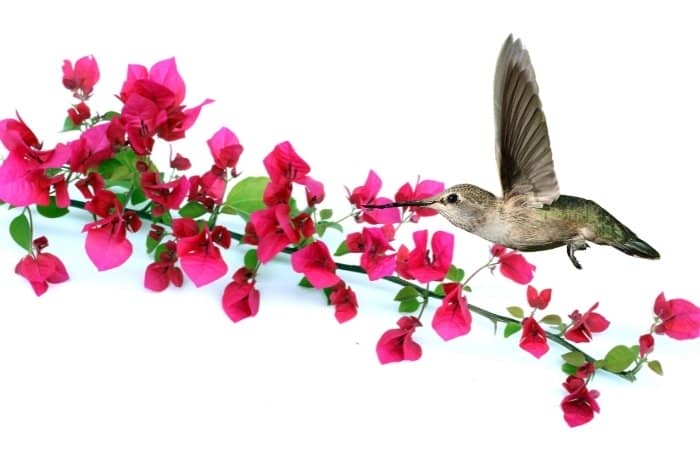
{"points": [[523, 153]]}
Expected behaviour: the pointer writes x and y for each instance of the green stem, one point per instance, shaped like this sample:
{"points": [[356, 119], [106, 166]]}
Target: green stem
{"points": [[558, 339]]}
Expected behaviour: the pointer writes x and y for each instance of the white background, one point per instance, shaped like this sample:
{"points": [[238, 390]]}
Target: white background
{"points": [[101, 371]]}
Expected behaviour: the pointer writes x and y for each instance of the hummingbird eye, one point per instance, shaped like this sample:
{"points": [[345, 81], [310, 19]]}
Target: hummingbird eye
{"points": [[452, 198]]}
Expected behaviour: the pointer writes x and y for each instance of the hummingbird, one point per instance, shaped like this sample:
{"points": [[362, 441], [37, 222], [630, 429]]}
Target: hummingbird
{"points": [[531, 215]]}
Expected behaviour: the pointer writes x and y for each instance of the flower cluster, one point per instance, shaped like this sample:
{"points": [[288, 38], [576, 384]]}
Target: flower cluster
{"points": [[112, 164]]}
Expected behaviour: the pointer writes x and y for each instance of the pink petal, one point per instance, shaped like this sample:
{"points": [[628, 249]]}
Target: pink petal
{"points": [[105, 249], [165, 72], [156, 276], [203, 266]]}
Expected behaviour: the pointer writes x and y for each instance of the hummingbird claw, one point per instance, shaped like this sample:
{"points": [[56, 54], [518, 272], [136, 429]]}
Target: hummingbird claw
{"points": [[571, 248]]}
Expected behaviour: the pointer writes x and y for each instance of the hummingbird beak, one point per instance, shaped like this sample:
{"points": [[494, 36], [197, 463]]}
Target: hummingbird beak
{"points": [[423, 203]]}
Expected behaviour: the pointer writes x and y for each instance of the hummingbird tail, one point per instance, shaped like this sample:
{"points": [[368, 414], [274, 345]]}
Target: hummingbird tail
{"points": [[637, 247]]}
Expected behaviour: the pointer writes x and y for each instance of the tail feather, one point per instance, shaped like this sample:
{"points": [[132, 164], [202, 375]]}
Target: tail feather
{"points": [[637, 247]]}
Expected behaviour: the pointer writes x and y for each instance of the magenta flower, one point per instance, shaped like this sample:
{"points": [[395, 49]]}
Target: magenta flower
{"points": [[345, 302], [452, 319], [241, 299], [538, 300], [106, 243], [373, 245], [153, 105], [315, 262], [41, 268], [424, 189], [425, 267], [513, 265], [646, 344], [397, 344], [23, 179], [94, 146], [225, 149], [166, 195], [199, 257], [584, 325], [209, 188], [79, 113], [82, 78], [274, 231], [284, 165], [90, 185], [160, 274], [580, 404], [277, 193], [367, 194], [314, 191], [679, 318], [533, 339]]}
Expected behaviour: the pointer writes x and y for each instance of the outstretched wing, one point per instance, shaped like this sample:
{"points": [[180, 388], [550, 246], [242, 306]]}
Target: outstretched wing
{"points": [[522, 144]]}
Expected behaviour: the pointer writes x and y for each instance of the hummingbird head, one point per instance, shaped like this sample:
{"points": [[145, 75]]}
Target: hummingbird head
{"points": [[464, 205]]}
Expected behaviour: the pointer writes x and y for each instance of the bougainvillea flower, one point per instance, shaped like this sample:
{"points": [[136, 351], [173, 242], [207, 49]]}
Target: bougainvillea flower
{"points": [[40, 270], [680, 319], [225, 148], [425, 267], [538, 300], [79, 113], [452, 318], [345, 302], [283, 164], [274, 231], [315, 262], [646, 344], [304, 224], [106, 243], [241, 299], [424, 189], [160, 274], [168, 195], [199, 257], [82, 77], [92, 148], [513, 265], [23, 179], [533, 339], [180, 162], [580, 404], [315, 193], [397, 344], [373, 245], [584, 325], [153, 105], [367, 194]]}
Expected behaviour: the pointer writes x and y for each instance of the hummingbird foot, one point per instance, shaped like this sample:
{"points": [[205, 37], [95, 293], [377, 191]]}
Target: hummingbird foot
{"points": [[571, 248]]}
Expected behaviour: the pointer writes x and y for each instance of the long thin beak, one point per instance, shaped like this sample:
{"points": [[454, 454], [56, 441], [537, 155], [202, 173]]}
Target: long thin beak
{"points": [[425, 203]]}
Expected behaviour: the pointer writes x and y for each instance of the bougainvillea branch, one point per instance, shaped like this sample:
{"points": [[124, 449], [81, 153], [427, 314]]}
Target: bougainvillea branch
{"points": [[110, 164]]}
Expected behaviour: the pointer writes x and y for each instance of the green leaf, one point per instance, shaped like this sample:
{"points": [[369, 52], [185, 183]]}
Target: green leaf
{"points": [[51, 210], [159, 250], [323, 225], [440, 290], [342, 249], [246, 196], [305, 283], [455, 274], [406, 293], [655, 366], [192, 209], [569, 369], [409, 305], [109, 116], [619, 358], [112, 170], [574, 358], [250, 260], [516, 312], [511, 328], [325, 214], [551, 319], [138, 197], [467, 288], [68, 125], [21, 232]]}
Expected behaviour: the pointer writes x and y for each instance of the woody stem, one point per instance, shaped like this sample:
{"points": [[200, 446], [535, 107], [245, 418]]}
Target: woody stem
{"points": [[627, 375]]}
